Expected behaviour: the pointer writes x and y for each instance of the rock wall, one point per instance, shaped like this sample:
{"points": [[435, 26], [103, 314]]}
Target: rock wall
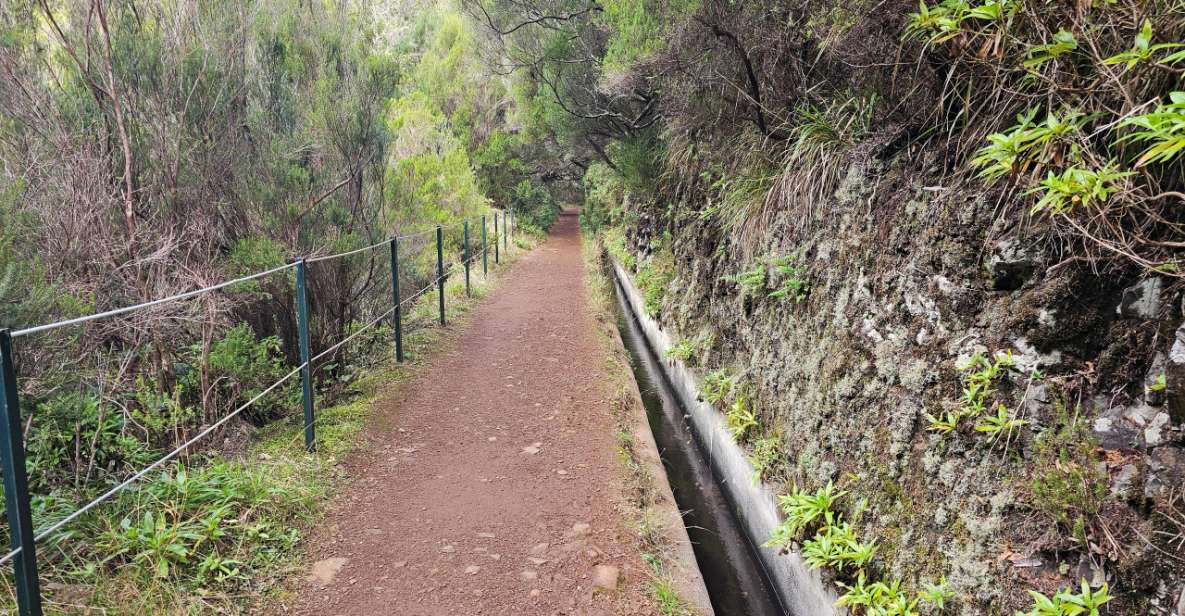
{"points": [[905, 284]]}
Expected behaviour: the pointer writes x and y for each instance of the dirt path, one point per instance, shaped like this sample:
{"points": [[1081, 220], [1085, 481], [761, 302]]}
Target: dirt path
{"points": [[493, 486]]}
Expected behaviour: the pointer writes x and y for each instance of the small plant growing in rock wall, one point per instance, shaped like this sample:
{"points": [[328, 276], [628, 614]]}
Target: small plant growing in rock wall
{"points": [[741, 418], [778, 278], [791, 279], [1158, 386], [836, 546], [803, 509], [879, 598], [764, 457], [717, 385], [751, 281], [1001, 423], [980, 376], [1066, 603], [654, 276], [1067, 484], [683, 351], [937, 594]]}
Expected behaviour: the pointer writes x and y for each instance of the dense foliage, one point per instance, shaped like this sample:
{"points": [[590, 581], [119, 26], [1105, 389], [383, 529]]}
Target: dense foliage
{"points": [[716, 141], [147, 149]]}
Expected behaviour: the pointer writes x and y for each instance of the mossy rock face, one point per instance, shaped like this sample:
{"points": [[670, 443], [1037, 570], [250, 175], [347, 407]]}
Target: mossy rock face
{"points": [[850, 374]]}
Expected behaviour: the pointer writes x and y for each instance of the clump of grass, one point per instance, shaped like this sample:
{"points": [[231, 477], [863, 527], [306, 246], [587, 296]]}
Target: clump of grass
{"points": [[765, 456], [662, 588], [684, 350], [980, 376], [740, 417], [804, 509], [1001, 423], [1066, 603], [1067, 485], [718, 385]]}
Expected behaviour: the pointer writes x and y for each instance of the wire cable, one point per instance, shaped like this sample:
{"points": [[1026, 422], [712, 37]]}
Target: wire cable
{"points": [[41, 535], [345, 254], [156, 302]]}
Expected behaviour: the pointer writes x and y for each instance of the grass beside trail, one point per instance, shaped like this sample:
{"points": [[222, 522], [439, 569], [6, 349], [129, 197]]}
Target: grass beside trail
{"points": [[222, 532]]}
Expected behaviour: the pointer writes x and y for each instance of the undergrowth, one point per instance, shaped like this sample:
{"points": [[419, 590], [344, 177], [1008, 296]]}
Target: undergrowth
{"points": [[219, 529], [1099, 131]]}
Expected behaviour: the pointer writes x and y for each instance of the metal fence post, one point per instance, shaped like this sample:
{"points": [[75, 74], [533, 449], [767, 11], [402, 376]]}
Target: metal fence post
{"points": [[440, 269], [485, 254], [395, 297], [16, 485], [506, 233], [497, 256], [306, 370], [468, 293]]}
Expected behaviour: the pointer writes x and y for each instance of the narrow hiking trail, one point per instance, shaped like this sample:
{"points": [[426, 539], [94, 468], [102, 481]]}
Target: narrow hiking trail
{"points": [[492, 484]]}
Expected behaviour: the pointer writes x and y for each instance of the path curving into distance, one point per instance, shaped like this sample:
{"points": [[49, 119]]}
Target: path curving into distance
{"points": [[493, 484]]}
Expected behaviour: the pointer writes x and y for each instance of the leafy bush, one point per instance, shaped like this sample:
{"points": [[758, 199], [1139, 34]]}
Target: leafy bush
{"points": [[77, 438], [240, 367]]}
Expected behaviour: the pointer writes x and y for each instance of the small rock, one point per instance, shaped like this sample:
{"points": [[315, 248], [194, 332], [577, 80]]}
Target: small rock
{"points": [[486, 535], [472, 569], [1121, 484], [1166, 471], [1141, 414], [605, 577], [1177, 352], [448, 549], [1141, 300], [528, 575], [580, 528], [1027, 563], [1011, 263], [540, 549], [534, 593], [492, 439], [532, 449], [324, 571], [1154, 433]]}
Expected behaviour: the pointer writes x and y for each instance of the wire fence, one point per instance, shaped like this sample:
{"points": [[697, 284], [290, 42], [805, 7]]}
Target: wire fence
{"points": [[18, 508]]}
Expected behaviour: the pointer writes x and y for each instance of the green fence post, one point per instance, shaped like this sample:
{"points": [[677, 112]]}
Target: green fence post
{"points": [[497, 257], [306, 370], [16, 485], [468, 293], [440, 269], [395, 297], [485, 254]]}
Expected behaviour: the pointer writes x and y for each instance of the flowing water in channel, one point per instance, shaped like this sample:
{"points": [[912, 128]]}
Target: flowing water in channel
{"points": [[732, 571]]}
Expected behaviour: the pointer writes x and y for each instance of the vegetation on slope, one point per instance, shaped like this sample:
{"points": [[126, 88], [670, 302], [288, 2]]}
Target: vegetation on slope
{"points": [[933, 250], [148, 149]]}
